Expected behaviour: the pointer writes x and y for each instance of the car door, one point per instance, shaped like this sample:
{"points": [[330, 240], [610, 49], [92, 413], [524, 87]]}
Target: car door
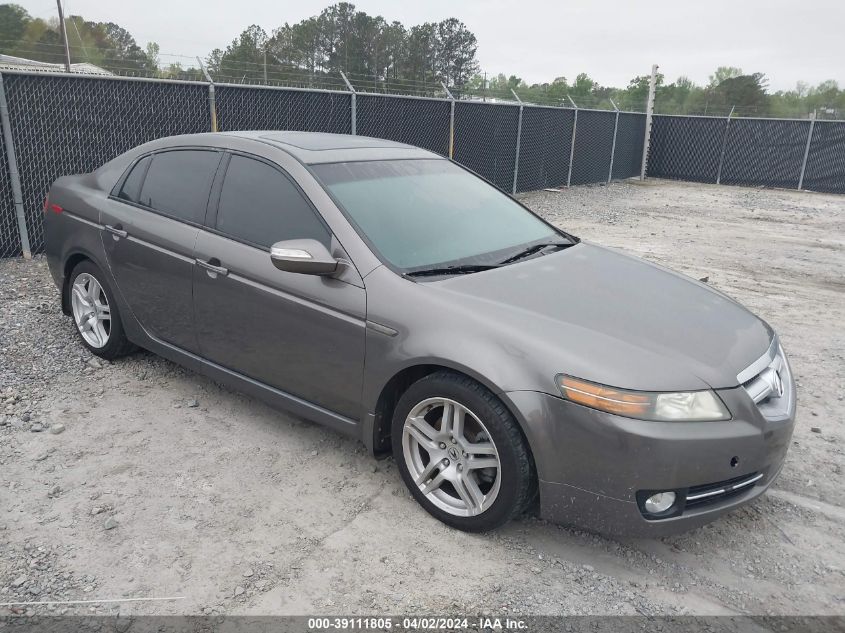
{"points": [[301, 334], [151, 222]]}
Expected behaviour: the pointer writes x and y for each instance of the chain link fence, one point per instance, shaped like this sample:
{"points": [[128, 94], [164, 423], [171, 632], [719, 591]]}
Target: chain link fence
{"points": [[10, 242], [785, 153], [262, 108], [485, 140], [628, 151], [65, 124], [825, 170], [544, 147], [419, 121], [70, 125]]}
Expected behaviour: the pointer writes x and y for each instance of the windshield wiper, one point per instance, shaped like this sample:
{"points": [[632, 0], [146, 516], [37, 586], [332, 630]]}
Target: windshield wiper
{"points": [[534, 248], [452, 270]]}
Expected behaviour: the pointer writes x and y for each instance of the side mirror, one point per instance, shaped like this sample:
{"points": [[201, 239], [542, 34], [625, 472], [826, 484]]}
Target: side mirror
{"points": [[305, 256]]}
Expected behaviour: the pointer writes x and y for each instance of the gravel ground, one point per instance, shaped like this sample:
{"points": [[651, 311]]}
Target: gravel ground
{"points": [[139, 479]]}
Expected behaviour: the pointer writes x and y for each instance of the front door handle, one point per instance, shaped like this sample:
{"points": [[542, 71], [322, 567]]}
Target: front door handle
{"points": [[117, 231], [212, 268]]}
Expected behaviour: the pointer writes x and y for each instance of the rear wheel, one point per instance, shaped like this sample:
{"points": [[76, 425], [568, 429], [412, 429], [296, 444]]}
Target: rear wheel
{"points": [[461, 453], [95, 312]]}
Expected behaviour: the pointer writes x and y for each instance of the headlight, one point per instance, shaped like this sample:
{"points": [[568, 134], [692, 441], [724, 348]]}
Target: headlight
{"points": [[644, 405]]}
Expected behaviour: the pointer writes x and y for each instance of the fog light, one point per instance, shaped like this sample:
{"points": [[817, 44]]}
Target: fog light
{"points": [[660, 502]]}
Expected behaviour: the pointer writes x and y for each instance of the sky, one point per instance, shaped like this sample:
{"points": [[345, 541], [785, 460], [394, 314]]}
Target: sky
{"points": [[611, 40]]}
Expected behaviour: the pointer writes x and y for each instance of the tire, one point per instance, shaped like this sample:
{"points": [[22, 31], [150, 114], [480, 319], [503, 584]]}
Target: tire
{"points": [[92, 302], [440, 472]]}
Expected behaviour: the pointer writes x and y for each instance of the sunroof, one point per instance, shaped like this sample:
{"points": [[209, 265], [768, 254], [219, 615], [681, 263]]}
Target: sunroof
{"points": [[317, 141]]}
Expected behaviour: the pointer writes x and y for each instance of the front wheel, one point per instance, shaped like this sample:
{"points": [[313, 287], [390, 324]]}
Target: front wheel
{"points": [[461, 453]]}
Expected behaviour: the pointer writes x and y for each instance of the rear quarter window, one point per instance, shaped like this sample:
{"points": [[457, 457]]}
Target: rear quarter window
{"points": [[131, 189]]}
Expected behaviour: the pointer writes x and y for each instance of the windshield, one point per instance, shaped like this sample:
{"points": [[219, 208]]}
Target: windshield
{"points": [[431, 213]]}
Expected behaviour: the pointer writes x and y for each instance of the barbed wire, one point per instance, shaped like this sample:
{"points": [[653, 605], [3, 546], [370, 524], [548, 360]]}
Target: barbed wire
{"points": [[274, 72]]}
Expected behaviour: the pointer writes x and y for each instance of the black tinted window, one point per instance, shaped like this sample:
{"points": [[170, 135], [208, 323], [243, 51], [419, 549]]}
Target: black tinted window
{"points": [[260, 205], [178, 183], [131, 189]]}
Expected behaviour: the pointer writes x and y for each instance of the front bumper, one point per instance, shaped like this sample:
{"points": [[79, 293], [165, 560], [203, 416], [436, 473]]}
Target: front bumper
{"points": [[592, 464]]}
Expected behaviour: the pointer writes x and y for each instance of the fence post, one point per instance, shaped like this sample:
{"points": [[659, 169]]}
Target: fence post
{"points": [[613, 145], [14, 176], [451, 121], [807, 151], [572, 145], [649, 111], [354, 110], [518, 141], [212, 101], [724, 147]]}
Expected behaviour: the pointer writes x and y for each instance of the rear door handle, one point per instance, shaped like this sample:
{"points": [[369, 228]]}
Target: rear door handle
{"points": [[219, 270], [116, 231]]}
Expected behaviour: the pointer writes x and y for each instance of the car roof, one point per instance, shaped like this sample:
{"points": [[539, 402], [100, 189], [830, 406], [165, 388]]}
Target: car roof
{"points": [[318, 147]]}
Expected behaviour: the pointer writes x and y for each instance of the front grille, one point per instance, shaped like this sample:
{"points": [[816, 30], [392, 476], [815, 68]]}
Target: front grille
{"points": [[714, 493]]}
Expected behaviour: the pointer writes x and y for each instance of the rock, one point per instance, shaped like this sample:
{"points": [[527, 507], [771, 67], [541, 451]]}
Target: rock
{"points": [[315, 453], [705, 279], [239, 591], [193, 403], [26, 417], [110, 523], [57, 428], [94, 363], [55, 491], [815, 429], [41, 457], [588, 567], [248, 573], [17, 582], [97, 510], [36, 428]]}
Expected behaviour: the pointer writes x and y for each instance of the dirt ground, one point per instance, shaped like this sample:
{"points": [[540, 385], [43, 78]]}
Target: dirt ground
{"points": [[168, 487]]}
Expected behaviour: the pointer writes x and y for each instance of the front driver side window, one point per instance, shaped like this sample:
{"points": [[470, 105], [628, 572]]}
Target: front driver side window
{"points": [[259, 205]]}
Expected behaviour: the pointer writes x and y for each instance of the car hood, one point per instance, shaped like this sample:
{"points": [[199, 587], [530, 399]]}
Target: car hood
{"points": [[607, 317]]}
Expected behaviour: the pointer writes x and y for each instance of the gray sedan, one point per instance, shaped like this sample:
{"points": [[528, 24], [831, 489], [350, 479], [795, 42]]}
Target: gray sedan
{"points": [[396, 297]]}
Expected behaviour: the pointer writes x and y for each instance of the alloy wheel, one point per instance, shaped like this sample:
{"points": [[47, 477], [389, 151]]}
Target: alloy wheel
{"points": [[91, 311], [451, 457]]}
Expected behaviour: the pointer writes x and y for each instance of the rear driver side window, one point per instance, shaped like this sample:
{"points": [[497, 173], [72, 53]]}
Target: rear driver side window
{"points": [[178, 183], [258, 204]]}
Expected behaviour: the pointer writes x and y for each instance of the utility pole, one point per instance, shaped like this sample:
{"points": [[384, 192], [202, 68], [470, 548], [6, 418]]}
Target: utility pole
{"points": [[265, 64], [649, 111], [64, 34]]}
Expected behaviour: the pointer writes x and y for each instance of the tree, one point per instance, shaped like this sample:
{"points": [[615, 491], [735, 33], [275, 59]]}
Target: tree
{"points": [[243, 59], [455, 53], [422, 52], [13, 22], [746, 93], [152, 54], [722, 73]]}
